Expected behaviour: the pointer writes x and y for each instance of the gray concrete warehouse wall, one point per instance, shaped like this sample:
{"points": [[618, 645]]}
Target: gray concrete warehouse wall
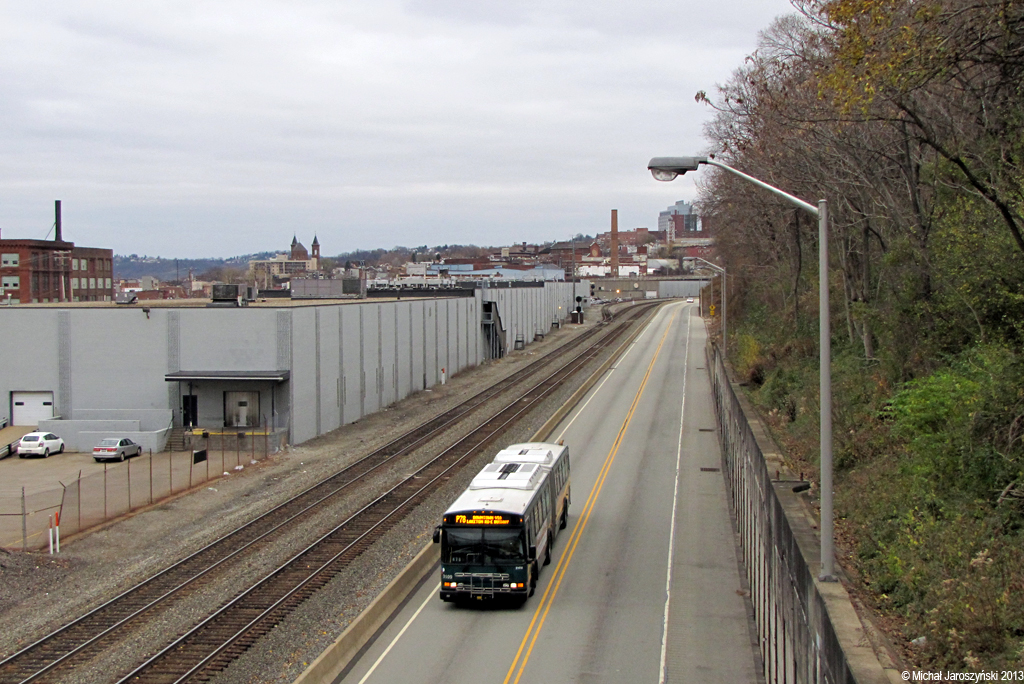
{"points": [[528, 311], [342, 360]]}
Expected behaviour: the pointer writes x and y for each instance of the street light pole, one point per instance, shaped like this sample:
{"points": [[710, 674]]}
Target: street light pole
{"points": [[825, 397], [667, 169]]}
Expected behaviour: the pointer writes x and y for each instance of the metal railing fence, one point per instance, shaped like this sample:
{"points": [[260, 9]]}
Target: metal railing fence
{"points": [[797, 638]]}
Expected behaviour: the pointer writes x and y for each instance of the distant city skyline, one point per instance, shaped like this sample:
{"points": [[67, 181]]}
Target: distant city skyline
{"points": [[218, 130]]}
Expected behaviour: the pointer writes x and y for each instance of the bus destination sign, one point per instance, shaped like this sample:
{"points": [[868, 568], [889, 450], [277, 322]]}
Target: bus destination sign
{"points": [[482, 518]]}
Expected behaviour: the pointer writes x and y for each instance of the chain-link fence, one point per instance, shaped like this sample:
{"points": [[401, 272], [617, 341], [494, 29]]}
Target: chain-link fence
{"points": [[89, 500]]}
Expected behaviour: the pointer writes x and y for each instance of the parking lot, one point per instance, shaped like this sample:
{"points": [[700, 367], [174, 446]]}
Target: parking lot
{"points": [[37, 474], [34, 489]]}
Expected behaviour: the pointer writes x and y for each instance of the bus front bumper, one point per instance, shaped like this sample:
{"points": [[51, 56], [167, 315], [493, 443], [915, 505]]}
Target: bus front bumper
{"points": [[481, 586]]}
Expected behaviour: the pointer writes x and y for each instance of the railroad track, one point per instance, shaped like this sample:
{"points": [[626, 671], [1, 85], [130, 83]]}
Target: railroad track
{"points": [[71, 645]]}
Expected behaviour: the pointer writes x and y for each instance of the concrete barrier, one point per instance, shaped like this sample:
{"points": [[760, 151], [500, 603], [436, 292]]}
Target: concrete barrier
{"points": [[337, 656]]}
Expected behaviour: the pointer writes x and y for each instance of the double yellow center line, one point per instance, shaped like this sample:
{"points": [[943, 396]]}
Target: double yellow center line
{"points": [[541, 614]]}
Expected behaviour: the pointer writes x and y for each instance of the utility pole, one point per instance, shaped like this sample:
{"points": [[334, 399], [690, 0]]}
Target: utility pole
{"points": [[572, 241]]}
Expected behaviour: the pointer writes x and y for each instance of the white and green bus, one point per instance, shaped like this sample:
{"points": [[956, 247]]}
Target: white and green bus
{"points": [[493, 535]]}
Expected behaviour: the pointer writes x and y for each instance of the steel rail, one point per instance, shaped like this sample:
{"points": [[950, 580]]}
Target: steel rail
{"points": [[166, 665], [372, 462], [46, 654]]}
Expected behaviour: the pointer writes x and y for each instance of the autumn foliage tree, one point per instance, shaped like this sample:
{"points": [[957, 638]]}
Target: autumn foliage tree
{"points": [[907, 116]]}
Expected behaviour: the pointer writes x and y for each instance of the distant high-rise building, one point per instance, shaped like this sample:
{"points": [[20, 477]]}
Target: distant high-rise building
{"points": [[680, 221]]}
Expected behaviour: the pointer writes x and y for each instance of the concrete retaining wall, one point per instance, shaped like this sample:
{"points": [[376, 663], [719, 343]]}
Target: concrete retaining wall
{"points": [[149, 420], [83, 435], [154, 441], [679, 288], [78, 435]]}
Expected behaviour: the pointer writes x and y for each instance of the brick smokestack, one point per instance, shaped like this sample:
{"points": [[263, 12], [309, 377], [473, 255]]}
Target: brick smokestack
{"points": [[615, 243], [57, 234]]}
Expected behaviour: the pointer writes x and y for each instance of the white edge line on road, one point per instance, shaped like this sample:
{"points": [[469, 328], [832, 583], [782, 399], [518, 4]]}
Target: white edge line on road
{"points": [[423, 605], [398, 636], [672, 528]]}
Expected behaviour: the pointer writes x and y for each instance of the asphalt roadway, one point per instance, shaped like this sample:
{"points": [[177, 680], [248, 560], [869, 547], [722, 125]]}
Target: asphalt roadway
{"points": [[644, 584]]}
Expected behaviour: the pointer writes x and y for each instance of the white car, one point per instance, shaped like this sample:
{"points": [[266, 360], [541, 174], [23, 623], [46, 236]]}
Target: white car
{"points": [[41, 444], [689, 300]]}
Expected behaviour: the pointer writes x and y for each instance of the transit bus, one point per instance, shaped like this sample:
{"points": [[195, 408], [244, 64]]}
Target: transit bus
{"points": [[494, 533], [555, 459]]}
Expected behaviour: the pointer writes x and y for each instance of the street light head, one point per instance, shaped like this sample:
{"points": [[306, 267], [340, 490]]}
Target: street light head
{"points": [[667, 168]]}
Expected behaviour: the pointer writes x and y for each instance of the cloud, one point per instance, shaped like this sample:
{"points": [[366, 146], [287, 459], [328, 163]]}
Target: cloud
{"points": [[198, 129]]}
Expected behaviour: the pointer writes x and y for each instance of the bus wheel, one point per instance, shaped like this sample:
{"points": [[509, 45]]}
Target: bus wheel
{"points": [[564, 522], [547, 553], [533, 579]]}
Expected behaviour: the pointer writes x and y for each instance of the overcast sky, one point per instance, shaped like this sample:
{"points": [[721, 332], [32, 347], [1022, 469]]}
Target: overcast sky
{"points": [[190, 129]]}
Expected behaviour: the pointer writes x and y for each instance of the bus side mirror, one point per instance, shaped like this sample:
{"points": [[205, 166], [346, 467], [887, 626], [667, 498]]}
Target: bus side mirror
{"points": [[437, 534], [533, 553]]}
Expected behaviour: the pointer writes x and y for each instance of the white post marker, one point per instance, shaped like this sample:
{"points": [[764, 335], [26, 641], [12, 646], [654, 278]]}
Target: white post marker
{"points": [[51, 535]]}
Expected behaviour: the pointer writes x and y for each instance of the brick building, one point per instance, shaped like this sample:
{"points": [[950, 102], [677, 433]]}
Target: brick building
{"points": [[41, 271]]}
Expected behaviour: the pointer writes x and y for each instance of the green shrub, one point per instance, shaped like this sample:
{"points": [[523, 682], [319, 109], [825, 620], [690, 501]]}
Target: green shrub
{"points": [[959, 424]]}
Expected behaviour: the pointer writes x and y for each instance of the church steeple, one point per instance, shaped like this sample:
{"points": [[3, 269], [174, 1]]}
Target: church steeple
{"points": [[316, 249], [299, 252]]}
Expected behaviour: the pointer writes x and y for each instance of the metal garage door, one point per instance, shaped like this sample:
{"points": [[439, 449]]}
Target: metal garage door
{"points": [[31, 407]]}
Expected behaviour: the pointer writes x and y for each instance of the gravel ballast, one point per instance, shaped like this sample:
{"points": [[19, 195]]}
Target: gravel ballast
{"points": [[38, 592]]}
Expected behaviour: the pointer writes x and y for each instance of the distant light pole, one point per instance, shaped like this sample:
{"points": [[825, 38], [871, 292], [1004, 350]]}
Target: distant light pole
{"points": [[572, 241], [667, 169], [725, 302]]}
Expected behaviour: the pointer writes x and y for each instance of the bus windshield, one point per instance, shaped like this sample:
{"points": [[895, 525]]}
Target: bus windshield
{"points": [[482, 545]]}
